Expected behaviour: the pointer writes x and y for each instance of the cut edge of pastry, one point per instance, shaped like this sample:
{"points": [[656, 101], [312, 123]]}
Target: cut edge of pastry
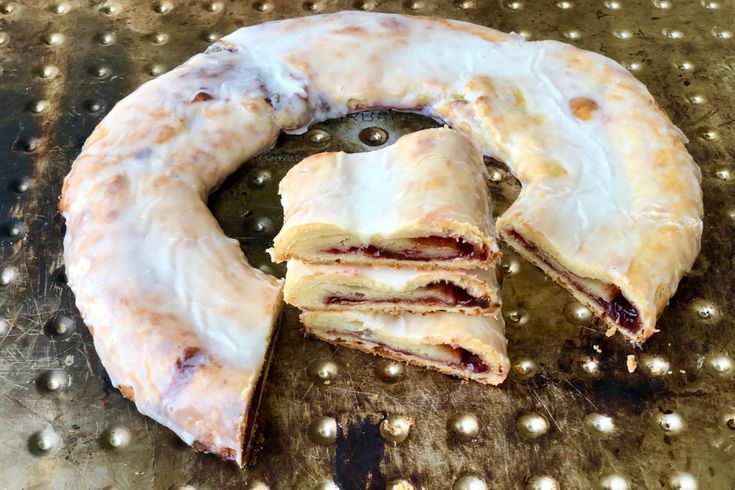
{"points": [[340, 287], [463, 356], [608, 301]]}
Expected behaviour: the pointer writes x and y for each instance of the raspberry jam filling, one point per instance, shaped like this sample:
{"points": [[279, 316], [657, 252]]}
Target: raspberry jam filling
{"points": [[617, 308], [428, 248], [438, 293]]}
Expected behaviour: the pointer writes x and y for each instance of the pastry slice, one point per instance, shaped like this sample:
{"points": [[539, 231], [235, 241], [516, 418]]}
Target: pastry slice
{"points": [[423, 200], [466, 346], [390, 290]]}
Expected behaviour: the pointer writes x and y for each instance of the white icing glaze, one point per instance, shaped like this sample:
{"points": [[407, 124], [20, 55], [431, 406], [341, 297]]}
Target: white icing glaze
{"points": [[615, 198]]}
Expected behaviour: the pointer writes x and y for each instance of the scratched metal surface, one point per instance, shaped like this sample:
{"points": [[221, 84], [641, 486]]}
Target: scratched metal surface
{"points": [[570, 415]]}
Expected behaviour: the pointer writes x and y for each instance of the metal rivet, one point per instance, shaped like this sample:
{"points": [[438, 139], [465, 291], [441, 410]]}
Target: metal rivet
{"points": [[496, 175], [116, 437], [105, 38], [525, 368], [572, 34], [4, 327], [400, 484], [705, 310], [519, 316], [44, 442], [22, 184], [532, 425], [109, 9], [730, 421], [158, 37], [211, 37], [465, 4], [622, 34], [100, 71], [511, 264], [708, 134], [513, 4], [721, 364], [633, 66], [154, 70], [670, 422], [213, 6], [263, 225], [326, 485], [599, 424], [163, 7], [61, 325], [16, 228], [673, 33], [318, 137], [8, 8], [525, 34], [614, 482], [390, 371], [52, 381], [262, 6], [697, 99], [415, 5], [374, 136], [260, 178], [565, 5], [365, 5], [8, 275], [543, 483], [323, 430], [655, 365], [53, 38], [685, 65], [662, 4], [313, 6], [721, 33], [27, 144], [683, 481], [323, 371], [48, 71], [708, 4], [395, 428], [613, 5], [94, 105], [578, 313], [464, 426], [469, 482], [723, 174], [37, 106], [60, 8]]}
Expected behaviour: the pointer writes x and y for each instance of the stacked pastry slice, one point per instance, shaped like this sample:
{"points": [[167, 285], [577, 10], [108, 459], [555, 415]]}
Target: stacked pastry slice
{"points": [[393, 252]]}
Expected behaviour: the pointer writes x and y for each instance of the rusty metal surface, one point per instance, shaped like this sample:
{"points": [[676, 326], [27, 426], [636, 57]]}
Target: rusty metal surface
{"points": [[570, 416]]}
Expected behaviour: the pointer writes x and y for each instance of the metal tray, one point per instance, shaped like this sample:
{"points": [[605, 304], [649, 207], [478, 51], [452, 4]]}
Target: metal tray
{"points": [[570, 416]]}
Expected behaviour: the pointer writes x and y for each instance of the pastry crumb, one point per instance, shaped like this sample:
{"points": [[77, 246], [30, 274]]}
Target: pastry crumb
{"points": [[597, 349], [610, 332], [632, 363]]}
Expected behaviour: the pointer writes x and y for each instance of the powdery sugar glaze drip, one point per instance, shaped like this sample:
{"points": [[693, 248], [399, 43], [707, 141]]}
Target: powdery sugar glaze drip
{"points": [[599, 164]]}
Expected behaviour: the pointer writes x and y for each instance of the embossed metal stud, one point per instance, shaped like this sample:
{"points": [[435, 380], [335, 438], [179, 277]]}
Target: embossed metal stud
{"points": [[4, 38], [622, 34], [154, 70], [633, 66], [683, 481], [323, 430], [705, 310], [44, 442], [105, 38], [93, 106], [464, 426], [318, 137], [613, 5], [257, 485], [722, 364], [395, 428], [4, 327], [48, 71], [614, 482], [365, 5], [163, 7], [415, 5], [709, 4], [572, 34], [697, 99], [326, 485], [532, 425], [519, 316], [53, 38], [685, 65], [525, 34], [525, 368], [61, 326], [543, 483], [400, 484], [263, 225], [496, 175], [670, 422], [723, 174], [100, 71], [662, 4], [721, 33], [8, 275], [513, 4], [469, 482], [565, 5], [15, 228], [708, 134], [313, 6], [260, 178], [109, 9], [116, 437], [511, 264], [578, 314], [374, 136], [52, 381], [60, 8], [599, 424], [262, 6], [323, 371], [655, 365], [730, 421], [37, 106], [213, 6], [8, 8], [183, 486], [22, 184], [158, 37], [390, 371], [465, 4], [672, 33], [211, 37]]}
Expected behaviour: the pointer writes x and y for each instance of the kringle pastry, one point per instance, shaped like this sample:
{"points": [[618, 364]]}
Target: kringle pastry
{"points": [[390, 290], [467, 346], [424, 200], [182, 323]]}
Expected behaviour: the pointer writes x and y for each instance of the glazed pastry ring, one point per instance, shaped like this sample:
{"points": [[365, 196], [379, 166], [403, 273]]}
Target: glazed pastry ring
{"points": [[182, 323]]}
